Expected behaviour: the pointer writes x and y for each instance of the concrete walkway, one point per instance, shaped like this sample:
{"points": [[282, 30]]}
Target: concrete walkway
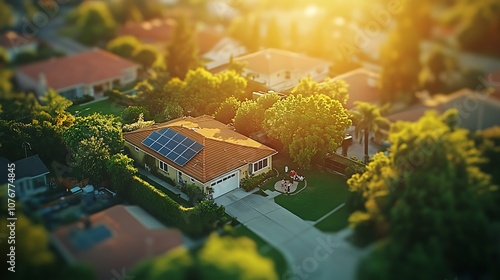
{"points": [[310, 253], [164, 184]]}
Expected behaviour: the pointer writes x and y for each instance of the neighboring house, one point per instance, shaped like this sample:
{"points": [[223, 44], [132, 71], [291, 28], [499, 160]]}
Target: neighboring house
{"points": [[493, 81], [222, 51], [362, 86], [116, 238], [14, 43], [31, 176], [476, 109], [157, 32], [87, 73], [200, 151], [281, 70]]}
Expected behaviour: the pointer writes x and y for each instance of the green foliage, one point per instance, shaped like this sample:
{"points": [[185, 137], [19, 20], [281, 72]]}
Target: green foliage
{"points": [[430, 172], [131, 114], [251, 182], [182, 53], [227, 110], [99, 126], [219, 258], [140, 123], [337, 90], [437, 71], [121, 170], [6, 15], [95, 23], [90, 158], [307, 126], [368, 119], [146, 55], [249, 117], [172, 111], [124, 46], [194, 192]]}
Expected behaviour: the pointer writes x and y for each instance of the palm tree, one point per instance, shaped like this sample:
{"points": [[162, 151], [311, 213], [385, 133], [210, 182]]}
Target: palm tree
{"points": [[367, 118]]}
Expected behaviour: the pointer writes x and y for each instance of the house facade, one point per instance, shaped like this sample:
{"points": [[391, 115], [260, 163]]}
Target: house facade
{"points": [[199, 151], [14, 43], [31, 176], [87, 73], [281, 70]]}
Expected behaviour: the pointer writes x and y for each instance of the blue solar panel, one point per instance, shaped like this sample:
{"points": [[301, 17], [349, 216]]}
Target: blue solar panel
{"points": [[181, 161], [173, 145], [197, 147], [148, 142]]}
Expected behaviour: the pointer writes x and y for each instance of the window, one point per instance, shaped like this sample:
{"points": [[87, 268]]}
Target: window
{"points": [[163, 166], [260, 165], [136, 149], [223, 179]]}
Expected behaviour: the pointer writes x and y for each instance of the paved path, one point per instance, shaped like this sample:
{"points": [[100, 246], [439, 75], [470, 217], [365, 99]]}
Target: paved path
{"points": [[311, 253], [163, 184]]}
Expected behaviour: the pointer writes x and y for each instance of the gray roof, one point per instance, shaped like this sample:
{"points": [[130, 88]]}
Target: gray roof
{"points": [[30, 167], [476, 111]]}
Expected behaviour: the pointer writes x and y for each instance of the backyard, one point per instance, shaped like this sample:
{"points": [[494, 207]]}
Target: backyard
{"points": [[104, 107], [264, 249]]}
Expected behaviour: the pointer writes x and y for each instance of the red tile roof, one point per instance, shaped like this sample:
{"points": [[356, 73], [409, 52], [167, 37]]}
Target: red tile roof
{"points": [[224, 149], [83, 68], [154, 31], [12, 39], [130, 242], [269, 61]]}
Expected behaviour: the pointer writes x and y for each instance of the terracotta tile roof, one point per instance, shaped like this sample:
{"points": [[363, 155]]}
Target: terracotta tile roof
{"points": [[12, 39], [83, 68], [154, 31], [362, 86], [224, 149], [130, 241], [269, 61], [470, 105], [207, 39]]}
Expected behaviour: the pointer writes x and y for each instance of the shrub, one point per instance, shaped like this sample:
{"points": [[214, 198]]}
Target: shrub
{"points": [[131, 114], [194, 193], [251, 182], [83, 99]]}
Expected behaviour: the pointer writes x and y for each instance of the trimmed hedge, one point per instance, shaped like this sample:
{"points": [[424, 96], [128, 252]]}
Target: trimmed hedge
{"points": [[251, 182]]}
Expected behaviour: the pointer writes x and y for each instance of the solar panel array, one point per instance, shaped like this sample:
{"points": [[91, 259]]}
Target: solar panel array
{"points": [[173, 145]]}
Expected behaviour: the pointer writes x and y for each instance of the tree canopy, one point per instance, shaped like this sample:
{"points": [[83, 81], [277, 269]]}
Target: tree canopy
{"points": [[337, 89], [307, 126], [423, 202], [182, 52], [220, 258], [227, 110], [95, 22]]}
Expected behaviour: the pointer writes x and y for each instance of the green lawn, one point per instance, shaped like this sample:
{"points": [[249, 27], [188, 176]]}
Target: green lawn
{"points": [[336, 221], [104, 107], [324, 192], [264, 249]]}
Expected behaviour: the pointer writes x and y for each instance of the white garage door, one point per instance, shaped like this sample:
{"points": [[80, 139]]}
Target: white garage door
{"points": [[225, 184]]}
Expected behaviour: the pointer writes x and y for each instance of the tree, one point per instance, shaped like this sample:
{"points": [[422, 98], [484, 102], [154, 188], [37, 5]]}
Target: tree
{"points": [[273, 35], [121, 170], [227, 110], [146, 55], [131, 114], [307, 126], [124, 46], [334, 89], [172, 111], [140, 123], [237, 258], [95, 23], [399, 58], [90, 158], [368, 118], [236, 66], [435, 76], [430, 175], [230, 83], [55, 105], [103, 127], [249, 117], [6, 15], [182, 52]]}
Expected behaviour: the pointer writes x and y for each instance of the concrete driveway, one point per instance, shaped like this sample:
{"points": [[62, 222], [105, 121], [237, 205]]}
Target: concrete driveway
{"points": [[310, 253]]}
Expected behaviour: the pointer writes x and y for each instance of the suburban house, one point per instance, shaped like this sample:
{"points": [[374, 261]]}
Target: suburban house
{"points": [[157, 32], [281, 70], [118, 237], [31, 176], [200, 151], [492, 80], [220, 53], [14, 43], [476, 110], [362, 86], [86, 73]]}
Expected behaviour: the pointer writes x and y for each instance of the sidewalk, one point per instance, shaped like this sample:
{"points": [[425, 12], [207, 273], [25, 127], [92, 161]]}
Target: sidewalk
{"points": [[164, 184]]}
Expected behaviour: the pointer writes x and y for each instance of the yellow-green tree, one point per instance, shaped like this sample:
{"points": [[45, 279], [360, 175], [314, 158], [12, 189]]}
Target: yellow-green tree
{"points": [[423, 202], [220, 258], [307, 126]]}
